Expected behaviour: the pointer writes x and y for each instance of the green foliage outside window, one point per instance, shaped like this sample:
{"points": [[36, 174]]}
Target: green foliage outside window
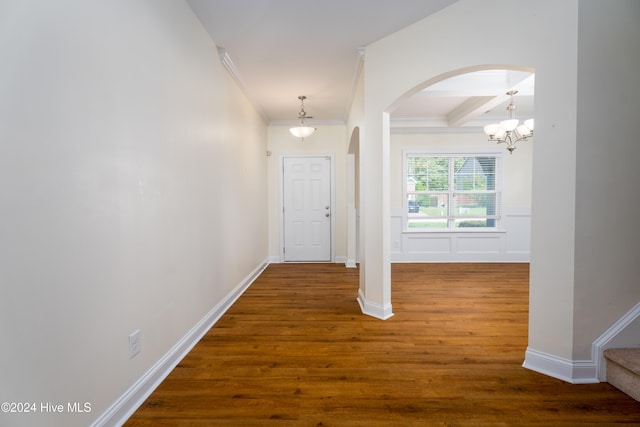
{"points": [[452, 191]]}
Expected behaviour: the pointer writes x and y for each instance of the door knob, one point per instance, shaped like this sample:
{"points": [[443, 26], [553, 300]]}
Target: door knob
{"points": [[327, 214]]}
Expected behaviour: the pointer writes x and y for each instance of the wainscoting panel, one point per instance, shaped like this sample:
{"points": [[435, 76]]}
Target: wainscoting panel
{"points": [[517, 222], [423, 244], [509, 244], [478, 244]]}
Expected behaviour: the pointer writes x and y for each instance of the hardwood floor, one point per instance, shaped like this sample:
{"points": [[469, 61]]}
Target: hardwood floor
{"points": [[296, 351]]}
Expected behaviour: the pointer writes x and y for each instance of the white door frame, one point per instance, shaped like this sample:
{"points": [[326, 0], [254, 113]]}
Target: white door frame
{"points": [[331, 157]]}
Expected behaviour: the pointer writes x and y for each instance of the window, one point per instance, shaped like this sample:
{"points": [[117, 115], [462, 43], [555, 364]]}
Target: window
{"points": [[452, 191]]}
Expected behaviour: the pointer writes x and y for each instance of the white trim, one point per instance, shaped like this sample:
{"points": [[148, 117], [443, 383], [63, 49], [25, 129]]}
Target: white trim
{"points": [[379, 311], [135, 396], [499, 185], [352, 213], [433, 126], [470, 230], [228, 64], [603, 342], [572, 371], [310, 122], [354, 82], [339, 260], [509, 244]]}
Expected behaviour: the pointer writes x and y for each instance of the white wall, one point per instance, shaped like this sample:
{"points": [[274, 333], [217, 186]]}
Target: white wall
{"points": [[511, 243], [608, 176], [583, 266], [328, 139], [127, 161], [458, 39]]}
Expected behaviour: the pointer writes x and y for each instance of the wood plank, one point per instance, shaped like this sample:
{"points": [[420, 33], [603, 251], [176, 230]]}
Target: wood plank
{"points": [[296, 351]]}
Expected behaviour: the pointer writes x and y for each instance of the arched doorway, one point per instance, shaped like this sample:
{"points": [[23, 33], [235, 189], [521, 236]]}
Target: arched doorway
{"points": [[442, 119], [376, 200], [353, 191]]}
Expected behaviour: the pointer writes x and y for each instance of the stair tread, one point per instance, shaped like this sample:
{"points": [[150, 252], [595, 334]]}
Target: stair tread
{"points": [[627, 357]]}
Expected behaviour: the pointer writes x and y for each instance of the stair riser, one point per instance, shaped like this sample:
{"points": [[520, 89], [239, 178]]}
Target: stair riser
{"points": [[623, 379]]}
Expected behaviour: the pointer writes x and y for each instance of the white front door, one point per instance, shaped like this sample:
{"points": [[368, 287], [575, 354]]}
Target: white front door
{"points": [[307, 208]]}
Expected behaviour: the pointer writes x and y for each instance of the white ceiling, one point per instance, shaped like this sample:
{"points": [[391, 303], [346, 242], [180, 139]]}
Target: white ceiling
{"points": [[468, 100], [280, 49]]}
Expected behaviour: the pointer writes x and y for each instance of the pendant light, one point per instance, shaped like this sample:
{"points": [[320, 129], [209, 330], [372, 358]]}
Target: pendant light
{"points": [[302, 131]]}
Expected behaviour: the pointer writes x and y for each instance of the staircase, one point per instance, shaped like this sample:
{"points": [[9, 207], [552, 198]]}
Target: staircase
{"points": [[623, 370]]}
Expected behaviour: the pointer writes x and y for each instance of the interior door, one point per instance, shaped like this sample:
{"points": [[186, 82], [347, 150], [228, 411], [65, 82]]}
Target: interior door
{"points": [[307, 208]]}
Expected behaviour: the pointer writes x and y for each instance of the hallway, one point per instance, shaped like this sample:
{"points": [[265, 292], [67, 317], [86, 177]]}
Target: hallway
{"points": [[295, 351]]}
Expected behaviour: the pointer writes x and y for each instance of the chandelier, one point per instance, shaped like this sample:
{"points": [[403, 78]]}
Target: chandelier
{"points": [[508, 131], [302, 131]]}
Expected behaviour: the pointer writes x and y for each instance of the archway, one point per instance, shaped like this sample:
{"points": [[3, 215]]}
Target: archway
{"points": [[353, 191], [393, 107], [446, 115]]}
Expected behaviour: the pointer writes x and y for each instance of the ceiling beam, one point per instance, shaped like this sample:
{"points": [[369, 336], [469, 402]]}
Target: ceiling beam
{"points": [[472, 108]]}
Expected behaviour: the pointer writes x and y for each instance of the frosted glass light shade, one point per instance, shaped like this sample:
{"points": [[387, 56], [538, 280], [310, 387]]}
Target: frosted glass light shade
{"points": [[302, 131], [524, 131], [501, 134], [491, 129], [529, 124], [509, 125]]}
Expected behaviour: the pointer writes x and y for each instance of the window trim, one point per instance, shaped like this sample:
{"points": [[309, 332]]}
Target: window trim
{"points": [[499, 183]]}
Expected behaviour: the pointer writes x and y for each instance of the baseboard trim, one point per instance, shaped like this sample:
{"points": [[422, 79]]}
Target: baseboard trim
{"points": [[135, 396], [379, 311], [351, 263], [571, 371]]}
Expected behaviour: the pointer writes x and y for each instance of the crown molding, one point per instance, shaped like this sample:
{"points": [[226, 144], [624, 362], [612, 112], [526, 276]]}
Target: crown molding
{"points": [[404, 126], [354, 82], [309, 122], [233, 72], [433, 130], [417, 125]]}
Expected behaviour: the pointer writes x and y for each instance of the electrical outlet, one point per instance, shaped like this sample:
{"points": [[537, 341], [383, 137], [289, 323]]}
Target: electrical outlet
{"points": [[134, 343]]}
